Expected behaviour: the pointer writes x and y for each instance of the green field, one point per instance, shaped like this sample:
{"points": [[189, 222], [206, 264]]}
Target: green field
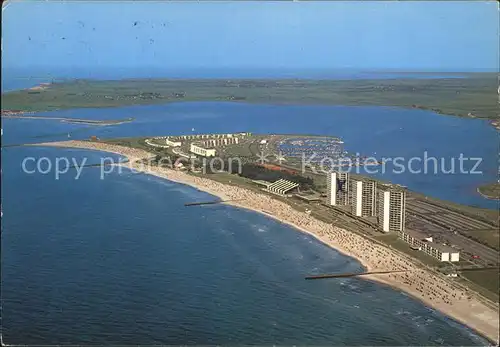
{"points": [[475, 96], [485, 282], [133, 142]]}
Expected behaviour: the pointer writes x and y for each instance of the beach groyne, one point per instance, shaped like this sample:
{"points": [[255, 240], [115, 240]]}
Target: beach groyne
{"points": [[433, 289], [350, 274]]}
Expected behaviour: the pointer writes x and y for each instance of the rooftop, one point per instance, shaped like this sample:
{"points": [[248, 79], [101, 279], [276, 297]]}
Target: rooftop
{"points": [[363, 179], [262, 183], [421, 236], [283, 185], [393, 187], [197, 144]]}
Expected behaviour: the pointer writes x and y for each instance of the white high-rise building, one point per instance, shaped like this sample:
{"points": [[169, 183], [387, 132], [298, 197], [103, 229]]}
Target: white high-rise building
{"points": [[363, 197], [391, 208], [337, 188]]}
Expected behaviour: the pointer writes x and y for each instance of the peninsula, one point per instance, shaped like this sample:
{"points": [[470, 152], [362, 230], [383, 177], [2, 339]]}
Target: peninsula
{"points": [[378, 253], [474, 95], [20, 115], [490, 191]]}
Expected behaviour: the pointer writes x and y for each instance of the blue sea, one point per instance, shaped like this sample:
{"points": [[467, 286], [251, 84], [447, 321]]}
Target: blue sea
{"points": [[120, 260]]}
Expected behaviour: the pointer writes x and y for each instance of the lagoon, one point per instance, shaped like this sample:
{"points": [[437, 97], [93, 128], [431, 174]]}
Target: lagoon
{"points": [[382, 132]]}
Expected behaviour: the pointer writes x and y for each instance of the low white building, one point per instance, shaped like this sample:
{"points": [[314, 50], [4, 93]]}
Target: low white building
{"points": [[425, 243], [171, 143], [204, 152], [152, 144]]}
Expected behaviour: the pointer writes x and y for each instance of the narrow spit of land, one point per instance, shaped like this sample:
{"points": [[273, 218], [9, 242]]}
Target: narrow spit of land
{"points": [[490, 191], [71, 120], [432, 288]]}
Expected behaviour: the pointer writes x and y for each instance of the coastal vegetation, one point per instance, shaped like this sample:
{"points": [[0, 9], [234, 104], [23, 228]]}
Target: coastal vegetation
{"points": [[490, 191], [474, 96], [260, 172]]}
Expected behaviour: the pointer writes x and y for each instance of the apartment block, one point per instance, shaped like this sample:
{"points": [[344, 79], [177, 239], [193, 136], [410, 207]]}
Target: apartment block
{"points": [[204, 152], [363, 197], [171, 143], [424, 243], [337, 188]]}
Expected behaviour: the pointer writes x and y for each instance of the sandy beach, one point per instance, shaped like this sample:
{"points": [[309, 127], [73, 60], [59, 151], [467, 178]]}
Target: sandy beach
{"points": [[433, 289]]}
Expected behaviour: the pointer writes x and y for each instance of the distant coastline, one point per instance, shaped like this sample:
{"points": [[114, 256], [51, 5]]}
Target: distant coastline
{"points": [[432, 288]]}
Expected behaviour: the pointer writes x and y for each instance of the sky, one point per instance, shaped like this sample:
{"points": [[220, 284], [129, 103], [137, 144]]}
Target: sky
{"points": [[365, 35]]}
